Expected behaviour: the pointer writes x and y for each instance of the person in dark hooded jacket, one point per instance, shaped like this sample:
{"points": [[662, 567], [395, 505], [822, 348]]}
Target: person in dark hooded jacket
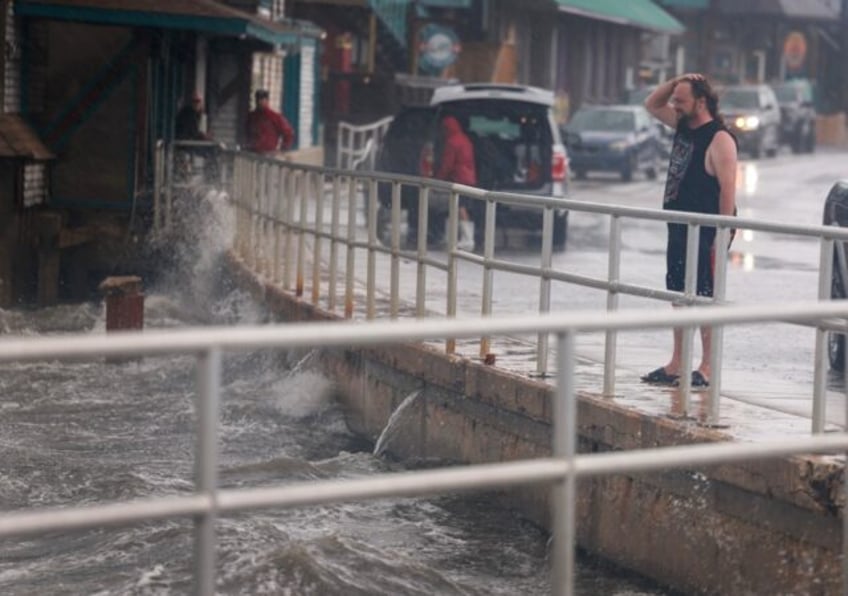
{"points": [[457, 162]]}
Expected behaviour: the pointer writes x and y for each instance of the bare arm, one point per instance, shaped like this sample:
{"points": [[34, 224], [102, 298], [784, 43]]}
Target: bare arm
{"points": [[657, 102], [722, 158]]}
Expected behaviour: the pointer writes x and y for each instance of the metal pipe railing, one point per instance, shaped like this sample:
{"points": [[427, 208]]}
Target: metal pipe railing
{"points": [[451, 259], [561, 470]]}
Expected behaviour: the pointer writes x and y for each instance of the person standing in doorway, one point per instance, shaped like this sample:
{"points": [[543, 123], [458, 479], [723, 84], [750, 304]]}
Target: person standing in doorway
{"points": [[701, 179], [187, 125], [267, 130]]}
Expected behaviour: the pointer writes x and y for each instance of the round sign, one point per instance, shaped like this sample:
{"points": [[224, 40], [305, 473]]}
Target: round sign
{"points": [[438, 48], [795, 50]]}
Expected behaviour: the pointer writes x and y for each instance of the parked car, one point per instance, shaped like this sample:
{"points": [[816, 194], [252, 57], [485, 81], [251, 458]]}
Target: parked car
{"points": [[620, 138], [797, 113], [836, 213], [753, 115], [517, 148]]}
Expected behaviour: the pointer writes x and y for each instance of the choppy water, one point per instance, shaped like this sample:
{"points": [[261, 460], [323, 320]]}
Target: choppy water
{"points": [[88, 432]]}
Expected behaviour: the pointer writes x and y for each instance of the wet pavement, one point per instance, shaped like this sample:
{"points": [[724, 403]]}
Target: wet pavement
{"points": [[768, 369]]}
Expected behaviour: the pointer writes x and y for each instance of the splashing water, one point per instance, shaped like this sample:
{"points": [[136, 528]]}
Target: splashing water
{"points": [[392, 426]]}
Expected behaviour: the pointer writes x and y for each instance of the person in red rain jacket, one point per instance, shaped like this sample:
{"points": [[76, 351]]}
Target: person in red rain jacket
{"points": [[265, 127], [457, 164]]}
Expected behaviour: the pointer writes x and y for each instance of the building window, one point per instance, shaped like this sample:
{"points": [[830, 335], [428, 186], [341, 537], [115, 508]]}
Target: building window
{"points": [[268, 74], [34, 184]]}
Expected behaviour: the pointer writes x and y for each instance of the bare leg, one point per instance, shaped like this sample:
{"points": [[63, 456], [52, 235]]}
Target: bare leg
{"points": [[706, 347], [673, 366]]}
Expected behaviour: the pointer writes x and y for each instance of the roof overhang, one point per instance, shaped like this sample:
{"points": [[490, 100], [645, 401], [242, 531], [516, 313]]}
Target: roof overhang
{"points": [[818, 10], [19, 141], [208, 16], [643, 14]]}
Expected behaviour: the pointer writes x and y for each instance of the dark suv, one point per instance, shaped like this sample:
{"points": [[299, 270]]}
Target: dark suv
{"points": [[517, 148], [798, 114], [752, 113]]}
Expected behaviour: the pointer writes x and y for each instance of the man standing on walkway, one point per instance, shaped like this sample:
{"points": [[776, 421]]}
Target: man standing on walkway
{"points": [[701, 179], [266, 128]]}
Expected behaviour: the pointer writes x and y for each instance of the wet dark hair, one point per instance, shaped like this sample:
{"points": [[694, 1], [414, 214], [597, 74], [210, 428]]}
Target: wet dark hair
{"points": [[261, 94], [701, 88]]}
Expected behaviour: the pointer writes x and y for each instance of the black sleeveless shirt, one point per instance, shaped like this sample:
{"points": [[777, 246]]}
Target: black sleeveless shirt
{"points": [[689, 187]]}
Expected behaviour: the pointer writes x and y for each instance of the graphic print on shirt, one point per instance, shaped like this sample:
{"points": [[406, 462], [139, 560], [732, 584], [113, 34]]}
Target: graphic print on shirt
{"points": [[681, 155]]}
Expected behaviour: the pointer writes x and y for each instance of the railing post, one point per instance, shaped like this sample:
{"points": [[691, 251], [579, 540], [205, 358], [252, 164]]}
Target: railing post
{"points": [[613, 277], [169, 186], [423, 224], [279, 227], [488, 272], [261, 221], [334, 243], [318, 187], [291, 201], [158, 182], [351, 249], [206, 467], [721, 244], [303, 196], [252, 259], [820, 368], [371, 274], [453, 223], [690, 289], [394, 288], [545, 288], [564, 495]]}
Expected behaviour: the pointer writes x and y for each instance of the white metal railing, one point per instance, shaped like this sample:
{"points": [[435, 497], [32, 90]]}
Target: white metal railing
{"points": [[273, 202], [357, 144], [561, 470]]}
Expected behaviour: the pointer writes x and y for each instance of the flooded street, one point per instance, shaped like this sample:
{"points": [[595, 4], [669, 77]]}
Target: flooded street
{"points": [[91, 432]]}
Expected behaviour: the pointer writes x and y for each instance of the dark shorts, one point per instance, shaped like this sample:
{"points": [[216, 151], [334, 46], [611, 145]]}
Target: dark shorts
{"points": [[675, 276]]}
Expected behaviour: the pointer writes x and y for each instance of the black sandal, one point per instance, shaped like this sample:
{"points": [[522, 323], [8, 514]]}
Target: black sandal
{"points": [[699, 381], [659, 377]]}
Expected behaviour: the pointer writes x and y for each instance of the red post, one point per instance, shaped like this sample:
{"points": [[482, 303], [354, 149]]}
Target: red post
{"points": [[124, 303]]}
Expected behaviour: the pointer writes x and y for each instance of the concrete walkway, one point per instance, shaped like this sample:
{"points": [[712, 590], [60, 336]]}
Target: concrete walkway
{"points": [[771, 410]]}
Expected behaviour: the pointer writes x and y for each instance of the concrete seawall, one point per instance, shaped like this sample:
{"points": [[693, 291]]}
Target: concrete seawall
{"points": [[761, 528]]}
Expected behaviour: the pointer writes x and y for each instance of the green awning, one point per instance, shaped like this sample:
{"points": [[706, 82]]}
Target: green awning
{"points": [[446, 3], [635, 13], [208, 16], [686, 4]]}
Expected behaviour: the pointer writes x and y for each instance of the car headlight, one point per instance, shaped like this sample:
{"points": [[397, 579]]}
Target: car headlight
{"points": [[747, 122], [618, 145]]}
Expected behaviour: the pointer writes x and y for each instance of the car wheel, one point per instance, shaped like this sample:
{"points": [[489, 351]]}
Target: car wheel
{"points": [[799, 140], [775, 147], [653, 169], [757, 150], [836, 351], [627, 171], [560, 231], [810, 145]]}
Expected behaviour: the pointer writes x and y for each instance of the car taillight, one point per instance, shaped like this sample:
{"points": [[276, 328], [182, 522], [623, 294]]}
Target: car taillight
{"points": [[559, 166], [425, 165]]}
